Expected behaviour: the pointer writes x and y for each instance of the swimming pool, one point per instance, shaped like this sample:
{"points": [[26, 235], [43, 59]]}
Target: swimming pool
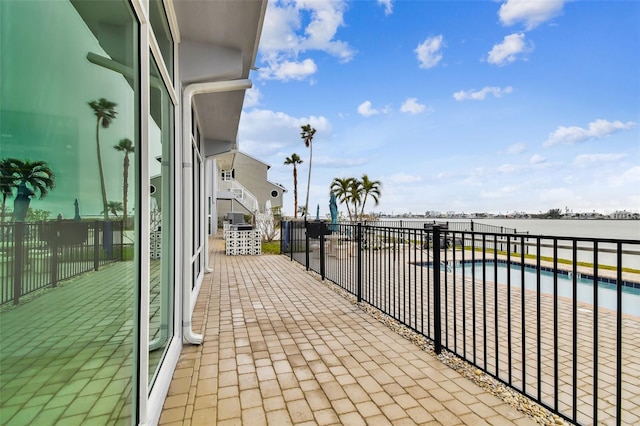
{"points": [[607, 297]]}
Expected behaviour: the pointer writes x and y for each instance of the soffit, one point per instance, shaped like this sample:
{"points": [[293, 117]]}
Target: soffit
{"points": [[230, 24], [225, 161]]}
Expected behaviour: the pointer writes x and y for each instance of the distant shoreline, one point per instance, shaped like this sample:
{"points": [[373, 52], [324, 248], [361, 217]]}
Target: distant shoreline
{"points": [[478, 218], [623, 229]]}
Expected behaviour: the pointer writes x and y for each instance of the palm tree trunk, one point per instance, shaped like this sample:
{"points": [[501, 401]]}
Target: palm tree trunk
{"points": [[102, 184], [295, 192], [306, 205], [349, 212], [363, 203], [125, 188]]}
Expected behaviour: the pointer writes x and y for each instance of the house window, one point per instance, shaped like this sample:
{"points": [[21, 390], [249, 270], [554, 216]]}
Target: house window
{"points": [[228, 174], [274, 193]]}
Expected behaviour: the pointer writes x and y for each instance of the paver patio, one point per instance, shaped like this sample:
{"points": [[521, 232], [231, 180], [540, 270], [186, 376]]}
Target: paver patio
{"points": [[475, 323], [282, 348], [66, 355]]}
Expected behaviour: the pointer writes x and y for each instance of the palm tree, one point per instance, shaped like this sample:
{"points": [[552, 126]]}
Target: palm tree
{"points": [[7, 183], [125, 146], [294, 159], [307, 136], [355, 194], [105, 114], [114, 207], [369, 188], [31, 178], [341, 187]]}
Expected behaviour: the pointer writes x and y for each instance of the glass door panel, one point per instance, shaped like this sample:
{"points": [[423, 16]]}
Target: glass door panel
{"points": [[162, 206], [68, 272]]}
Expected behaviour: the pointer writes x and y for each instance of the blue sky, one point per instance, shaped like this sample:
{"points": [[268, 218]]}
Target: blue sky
{"points": [[467, 106]]}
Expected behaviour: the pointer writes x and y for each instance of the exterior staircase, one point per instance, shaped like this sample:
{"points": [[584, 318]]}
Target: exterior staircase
{"points": [[231, 189]]}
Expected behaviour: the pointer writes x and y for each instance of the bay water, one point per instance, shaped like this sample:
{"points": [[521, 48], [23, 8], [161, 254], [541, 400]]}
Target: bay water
{"points": [[586, 228]]}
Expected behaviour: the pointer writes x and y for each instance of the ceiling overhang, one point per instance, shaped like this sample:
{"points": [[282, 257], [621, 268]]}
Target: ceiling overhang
{"points": [[226, 159], [217, 147], [218, 42]]}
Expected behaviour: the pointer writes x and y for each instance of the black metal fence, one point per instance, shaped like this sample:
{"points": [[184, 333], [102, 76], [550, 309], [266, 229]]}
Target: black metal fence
{"points": [[555, 318], [467, 226], [34, 256]]}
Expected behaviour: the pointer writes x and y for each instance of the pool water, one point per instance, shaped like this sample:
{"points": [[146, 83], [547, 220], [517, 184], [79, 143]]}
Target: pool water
{"points": [[607, 297]]}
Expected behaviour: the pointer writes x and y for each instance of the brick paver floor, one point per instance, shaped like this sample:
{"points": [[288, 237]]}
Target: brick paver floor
{"points": [[66, 356], [282, 348]]}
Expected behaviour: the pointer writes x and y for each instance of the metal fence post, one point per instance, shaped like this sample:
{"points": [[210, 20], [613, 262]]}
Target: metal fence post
{"points": [[322, 265], [54, 262], [306, 242], [122, 228], [291, 240], [18, 263], [359, 270], [437, 302], [96, 245]]}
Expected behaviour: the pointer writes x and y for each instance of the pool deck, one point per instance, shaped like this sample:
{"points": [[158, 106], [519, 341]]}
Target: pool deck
{"points": [[280, 347]]}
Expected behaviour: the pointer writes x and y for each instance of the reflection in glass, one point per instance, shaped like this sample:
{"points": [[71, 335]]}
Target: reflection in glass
{"points": [[160, 25], [67, 274], [162, 212]]}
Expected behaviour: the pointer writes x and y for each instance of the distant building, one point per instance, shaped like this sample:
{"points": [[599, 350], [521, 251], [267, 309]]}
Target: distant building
{"points": [[243, 185], [623, 215]]}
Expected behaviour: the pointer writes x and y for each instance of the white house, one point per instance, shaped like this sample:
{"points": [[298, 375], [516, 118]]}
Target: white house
{"points": [[243, 185]]}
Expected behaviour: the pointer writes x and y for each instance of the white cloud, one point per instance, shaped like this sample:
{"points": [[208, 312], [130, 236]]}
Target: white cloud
{"points": [[252, 97], [404, 178], [559, 195], [288, 70], [262, 132], [388, 6], [531, 13], [366, 110], [516, 148], [476, 175], [507, 51], [537, 159], [428, 52], [508, 168], [596, 130], [284, 37], [412, 106], [505, 191], [628, 177], [571, 179], [480, 95], [333, 162], [585, 160]]}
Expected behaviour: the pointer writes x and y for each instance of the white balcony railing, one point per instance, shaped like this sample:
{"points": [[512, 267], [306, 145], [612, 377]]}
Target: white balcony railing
{"points": [[240, 194]]}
